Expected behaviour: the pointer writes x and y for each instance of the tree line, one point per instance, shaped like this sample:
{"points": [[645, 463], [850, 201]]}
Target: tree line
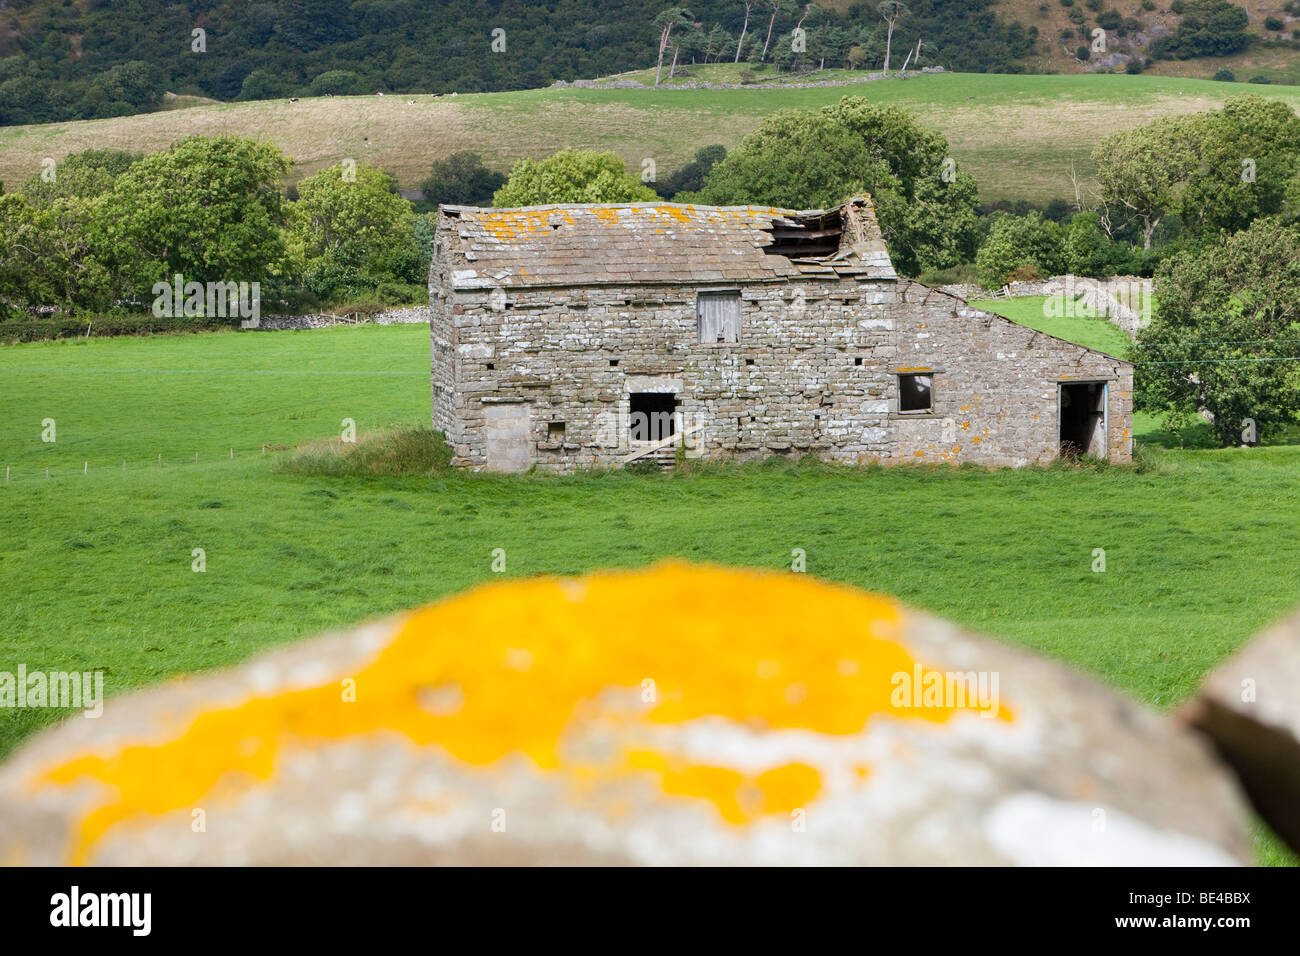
{"points": [[95, 232]]}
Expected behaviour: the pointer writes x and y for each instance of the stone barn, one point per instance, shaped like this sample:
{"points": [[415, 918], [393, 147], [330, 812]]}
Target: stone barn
{"points": [[576, 336]]}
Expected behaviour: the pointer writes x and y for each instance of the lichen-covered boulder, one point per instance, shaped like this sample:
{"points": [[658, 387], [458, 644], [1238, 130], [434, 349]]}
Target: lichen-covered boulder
{"points": [[1250, 708], [675, 715]]}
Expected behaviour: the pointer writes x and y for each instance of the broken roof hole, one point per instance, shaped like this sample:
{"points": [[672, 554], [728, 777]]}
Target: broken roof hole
{"points": [[806, 235]]}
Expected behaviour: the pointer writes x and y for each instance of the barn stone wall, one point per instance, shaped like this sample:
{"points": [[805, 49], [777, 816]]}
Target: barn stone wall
{"points": [[996, 384], [815, 371], [442, 334]]}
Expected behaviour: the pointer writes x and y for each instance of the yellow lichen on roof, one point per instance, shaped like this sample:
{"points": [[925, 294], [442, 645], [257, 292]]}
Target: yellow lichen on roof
{"points": [[510, 224], [512, 663]]}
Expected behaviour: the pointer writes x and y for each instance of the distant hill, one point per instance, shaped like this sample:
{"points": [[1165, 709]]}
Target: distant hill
{"points": [[1017, 134], [95, 59], [65, 59]]}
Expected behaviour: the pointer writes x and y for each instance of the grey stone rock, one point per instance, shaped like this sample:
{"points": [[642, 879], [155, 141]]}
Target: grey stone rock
{"points": [[1046, 767], [1250, 708]]}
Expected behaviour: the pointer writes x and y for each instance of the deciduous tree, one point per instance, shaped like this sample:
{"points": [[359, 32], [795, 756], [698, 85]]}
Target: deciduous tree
{"points": [[1223, 337], [1142, 170], [891, 11], [817, 159], [571, 176], [461, 179], [350, 230], [208, 207]]}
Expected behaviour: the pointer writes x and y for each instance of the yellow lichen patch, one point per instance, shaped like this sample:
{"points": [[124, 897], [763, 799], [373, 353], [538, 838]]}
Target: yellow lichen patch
{"points": [[739, 798], [511, 224], [719, 785], [788, 787], [507, 668], [675, 213]]}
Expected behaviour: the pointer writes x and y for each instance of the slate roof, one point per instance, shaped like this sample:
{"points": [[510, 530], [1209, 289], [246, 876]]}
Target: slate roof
{"points": [[650, 243]]}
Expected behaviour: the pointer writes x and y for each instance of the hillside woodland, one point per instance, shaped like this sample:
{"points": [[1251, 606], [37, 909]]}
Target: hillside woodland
{"points": [[89, 59]]}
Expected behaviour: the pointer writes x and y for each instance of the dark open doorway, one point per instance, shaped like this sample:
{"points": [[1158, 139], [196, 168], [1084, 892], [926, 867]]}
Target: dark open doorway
{"points": [[652, 416], [1083, 419]]}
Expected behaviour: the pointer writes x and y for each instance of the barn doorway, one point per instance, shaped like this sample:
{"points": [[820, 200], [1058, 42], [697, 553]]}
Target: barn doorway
{"points": [[1083, 419], [508, 437], [652, 416]]}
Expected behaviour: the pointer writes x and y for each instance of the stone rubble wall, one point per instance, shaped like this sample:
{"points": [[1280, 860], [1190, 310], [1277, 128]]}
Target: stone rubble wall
{"points": [[430, 769], [412, 315]]}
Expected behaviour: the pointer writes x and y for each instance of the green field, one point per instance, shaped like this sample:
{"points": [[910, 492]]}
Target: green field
{"points": [[1095, 333], [1017, 134], [95, 562]]}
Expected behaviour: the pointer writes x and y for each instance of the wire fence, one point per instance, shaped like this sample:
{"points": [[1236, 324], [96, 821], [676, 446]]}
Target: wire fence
{"points": [[64, 470]]}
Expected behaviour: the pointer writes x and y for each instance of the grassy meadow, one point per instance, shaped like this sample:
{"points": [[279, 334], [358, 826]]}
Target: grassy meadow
{"points": [[1082, 328], [1017, 134], [95, 561]]}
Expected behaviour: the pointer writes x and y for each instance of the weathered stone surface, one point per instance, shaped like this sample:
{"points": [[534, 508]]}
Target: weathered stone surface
{"points": [[677, 715], [1250, 708]]}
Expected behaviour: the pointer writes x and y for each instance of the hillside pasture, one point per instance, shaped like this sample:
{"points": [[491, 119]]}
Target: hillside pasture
{"points": [[1016, 134]]}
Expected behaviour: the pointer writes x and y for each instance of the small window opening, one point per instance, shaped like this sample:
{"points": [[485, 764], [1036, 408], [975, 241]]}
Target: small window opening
{"points": [[749, 361], [717, 317], [652, 416], [914, 393], [858, 360], [555, 431], [613, 363], [490, 366]]}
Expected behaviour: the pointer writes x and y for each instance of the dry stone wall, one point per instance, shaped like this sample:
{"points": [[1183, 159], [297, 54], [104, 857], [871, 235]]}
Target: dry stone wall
{"points": [[413, 315]]}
